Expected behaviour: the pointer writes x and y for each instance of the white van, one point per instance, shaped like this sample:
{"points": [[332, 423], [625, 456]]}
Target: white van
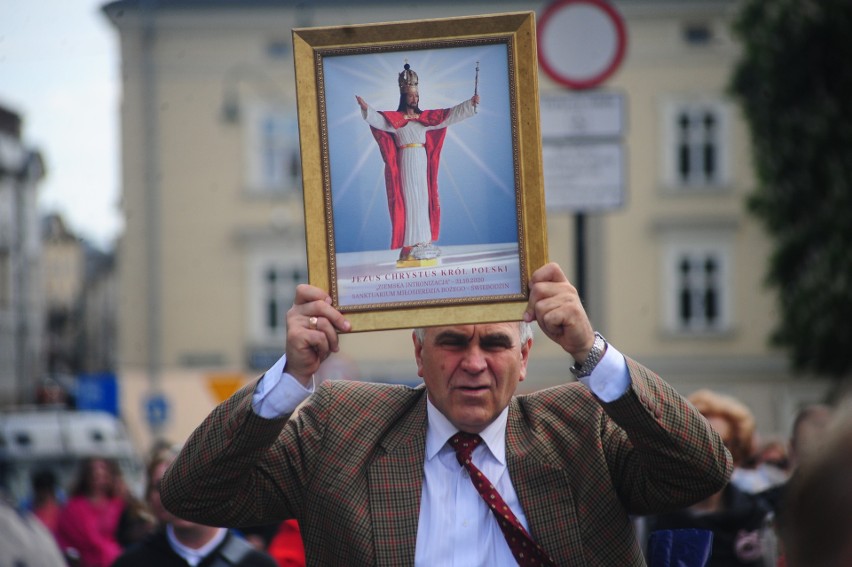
{"points": [[58, 439]]}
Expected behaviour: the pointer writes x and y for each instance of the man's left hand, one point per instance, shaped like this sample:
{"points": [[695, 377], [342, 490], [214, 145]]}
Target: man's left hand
{"points": [[556, 305]]}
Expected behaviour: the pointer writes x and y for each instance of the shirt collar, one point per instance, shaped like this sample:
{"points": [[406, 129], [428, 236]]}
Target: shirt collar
{"points": [[439, 430], [193, 556]]}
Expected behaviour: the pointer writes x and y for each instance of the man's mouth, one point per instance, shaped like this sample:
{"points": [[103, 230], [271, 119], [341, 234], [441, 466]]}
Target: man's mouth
{"points": [[472, 388]]}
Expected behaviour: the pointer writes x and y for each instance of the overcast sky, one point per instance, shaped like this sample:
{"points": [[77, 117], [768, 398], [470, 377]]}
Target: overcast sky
{"points": [[59, 71]]}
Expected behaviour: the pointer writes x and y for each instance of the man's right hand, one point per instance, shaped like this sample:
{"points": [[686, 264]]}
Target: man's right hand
{"points": [[308, 344], [361, 102]]}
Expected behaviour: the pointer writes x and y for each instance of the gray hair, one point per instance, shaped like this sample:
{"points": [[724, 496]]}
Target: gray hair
{"points": [[524, 329]]}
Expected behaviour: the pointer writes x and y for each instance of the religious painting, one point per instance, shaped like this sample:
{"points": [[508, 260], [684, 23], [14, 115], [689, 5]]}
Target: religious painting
{"points": [[422, 170]]}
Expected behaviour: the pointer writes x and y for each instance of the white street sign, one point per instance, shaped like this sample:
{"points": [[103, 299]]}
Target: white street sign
{"points": [[584, 176], [586, 114]]}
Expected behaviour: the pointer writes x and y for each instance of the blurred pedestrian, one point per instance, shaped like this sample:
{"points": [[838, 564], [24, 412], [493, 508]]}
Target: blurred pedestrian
{"points": [[136, 522], [25, 541], [817, 526], [808, 433], [736, 518], [46, 503], [732, 419], [259, 536], [765, 468], [179, 543], [774, 452], [806, 437], [86, 528], [287, 547]]}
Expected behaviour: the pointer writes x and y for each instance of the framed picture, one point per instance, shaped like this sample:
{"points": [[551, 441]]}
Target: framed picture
{"points": [[422, 169]]}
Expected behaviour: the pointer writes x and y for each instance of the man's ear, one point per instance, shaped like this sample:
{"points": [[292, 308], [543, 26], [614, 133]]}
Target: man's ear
{"points": [[418, 349], [525, 358]]}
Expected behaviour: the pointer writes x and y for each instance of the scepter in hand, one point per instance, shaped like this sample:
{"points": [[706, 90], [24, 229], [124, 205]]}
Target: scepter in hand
{"points": [[476, 87]]}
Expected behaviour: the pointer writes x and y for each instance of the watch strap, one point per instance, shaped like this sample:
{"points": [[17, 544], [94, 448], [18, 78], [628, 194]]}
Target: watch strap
{"points": [[592, 359]]}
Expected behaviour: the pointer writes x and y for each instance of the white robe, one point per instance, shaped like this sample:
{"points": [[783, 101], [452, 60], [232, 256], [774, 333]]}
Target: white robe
{"points": [[413, 166]]}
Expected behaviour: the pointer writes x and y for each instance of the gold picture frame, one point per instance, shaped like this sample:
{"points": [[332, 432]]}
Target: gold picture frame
{"points": [[477, 77]]}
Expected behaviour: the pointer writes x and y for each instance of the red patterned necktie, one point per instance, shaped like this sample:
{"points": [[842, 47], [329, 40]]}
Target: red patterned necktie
{"points": [[526, 551]]}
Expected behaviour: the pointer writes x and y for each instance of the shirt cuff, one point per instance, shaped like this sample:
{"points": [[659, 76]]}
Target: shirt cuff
{"points": [[279, 393], [610, 379]]}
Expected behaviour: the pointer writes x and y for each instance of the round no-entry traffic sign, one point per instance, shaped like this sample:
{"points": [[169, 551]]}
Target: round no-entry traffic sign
{"points": [[581, 42]]}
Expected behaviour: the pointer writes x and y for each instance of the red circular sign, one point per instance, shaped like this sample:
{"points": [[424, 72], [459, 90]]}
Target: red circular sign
{"points": [[580, 42]]}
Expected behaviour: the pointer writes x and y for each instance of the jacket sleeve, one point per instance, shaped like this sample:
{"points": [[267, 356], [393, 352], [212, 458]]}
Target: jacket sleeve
{"points": [[662, 453], [239, 469]]}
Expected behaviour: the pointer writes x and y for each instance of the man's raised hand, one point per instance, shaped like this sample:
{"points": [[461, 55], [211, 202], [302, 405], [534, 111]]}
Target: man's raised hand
{"points": [[312, 328], [556, 305]]}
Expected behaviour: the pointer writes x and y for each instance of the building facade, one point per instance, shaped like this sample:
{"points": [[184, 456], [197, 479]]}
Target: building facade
{"points": [[21, 310], [62, 267], [214, 240], [99, 303]]}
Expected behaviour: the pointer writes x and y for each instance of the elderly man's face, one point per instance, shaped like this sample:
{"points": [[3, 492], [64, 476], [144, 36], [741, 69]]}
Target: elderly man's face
{"points": [[472, 371]]}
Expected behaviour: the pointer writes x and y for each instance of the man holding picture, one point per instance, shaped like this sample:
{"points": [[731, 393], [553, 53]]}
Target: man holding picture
{"points": [[460, 471]]}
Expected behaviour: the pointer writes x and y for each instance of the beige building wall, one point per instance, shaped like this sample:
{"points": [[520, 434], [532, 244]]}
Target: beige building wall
{"points": [[188, 269], [21, 307], [62, 265]]}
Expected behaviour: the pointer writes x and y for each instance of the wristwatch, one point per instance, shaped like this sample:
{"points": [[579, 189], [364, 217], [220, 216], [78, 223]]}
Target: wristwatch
{"points": [[595, 354]]}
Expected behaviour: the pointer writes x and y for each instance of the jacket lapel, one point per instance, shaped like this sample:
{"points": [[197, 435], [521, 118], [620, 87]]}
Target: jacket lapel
{"points": [[543, 488], [395, 485]]}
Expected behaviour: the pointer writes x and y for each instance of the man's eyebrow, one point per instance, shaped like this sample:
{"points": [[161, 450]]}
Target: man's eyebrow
{"points": [[452, 336], [497, 339], [493, 339]]}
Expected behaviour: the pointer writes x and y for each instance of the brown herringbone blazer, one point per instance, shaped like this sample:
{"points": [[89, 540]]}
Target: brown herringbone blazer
{"points": [[349, 467]]}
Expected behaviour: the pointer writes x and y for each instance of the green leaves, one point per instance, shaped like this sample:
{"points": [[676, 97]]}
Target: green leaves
{"points": [[794, 83]]}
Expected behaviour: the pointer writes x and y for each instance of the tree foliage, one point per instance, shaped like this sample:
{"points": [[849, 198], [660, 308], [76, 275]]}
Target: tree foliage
{"points": [[794, 82]]}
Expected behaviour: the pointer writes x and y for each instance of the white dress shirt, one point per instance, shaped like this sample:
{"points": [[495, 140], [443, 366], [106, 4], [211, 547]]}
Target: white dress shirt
{"points": [[452, 513], [190, 555]]}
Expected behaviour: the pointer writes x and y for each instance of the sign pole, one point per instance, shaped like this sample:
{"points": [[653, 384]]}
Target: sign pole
{"points": [[581, 43], [580, 254]]}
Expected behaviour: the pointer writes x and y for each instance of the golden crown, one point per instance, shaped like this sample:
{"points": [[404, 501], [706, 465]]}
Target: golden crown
{"points": [[408, 79]]}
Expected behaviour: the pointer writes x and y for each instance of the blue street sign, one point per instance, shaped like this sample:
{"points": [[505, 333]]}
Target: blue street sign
{"points": [[97, 392], [156, 410]]}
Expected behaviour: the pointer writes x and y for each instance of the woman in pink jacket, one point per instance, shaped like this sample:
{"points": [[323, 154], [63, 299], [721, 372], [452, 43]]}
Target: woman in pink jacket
{"points": [[87, 525]]}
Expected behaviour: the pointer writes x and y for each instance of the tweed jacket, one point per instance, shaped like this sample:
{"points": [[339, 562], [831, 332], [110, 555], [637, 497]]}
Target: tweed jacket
{"points": [[349, 466]]}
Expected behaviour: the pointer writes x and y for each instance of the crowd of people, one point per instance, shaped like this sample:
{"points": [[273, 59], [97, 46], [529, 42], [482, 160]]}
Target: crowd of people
{"points": [[346, 459], [98, 522], [758, 518], [383, 474], [776, 511]]}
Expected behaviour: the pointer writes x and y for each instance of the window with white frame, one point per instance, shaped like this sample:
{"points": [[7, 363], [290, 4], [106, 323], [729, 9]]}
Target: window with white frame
{"points": [[272, 145], [696, 145], [697, 279], [272, 281]]}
